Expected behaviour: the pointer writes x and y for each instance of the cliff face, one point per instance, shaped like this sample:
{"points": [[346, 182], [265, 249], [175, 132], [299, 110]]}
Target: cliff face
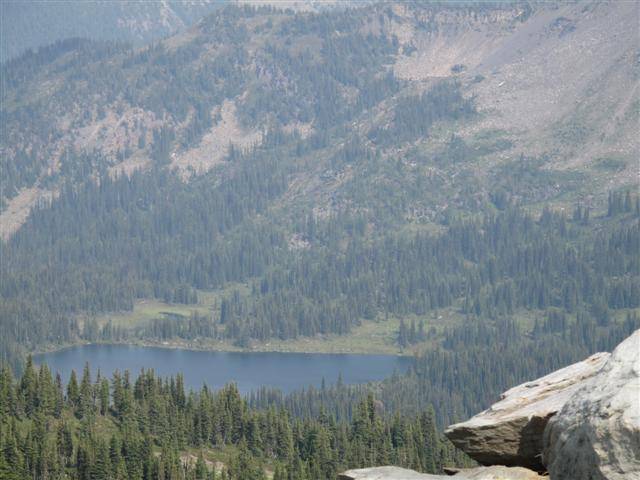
{"points": [[579, 423]]}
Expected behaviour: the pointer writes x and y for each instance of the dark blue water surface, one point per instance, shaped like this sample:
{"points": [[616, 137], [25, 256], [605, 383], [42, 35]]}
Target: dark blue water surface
{"points": [[286, 371]]}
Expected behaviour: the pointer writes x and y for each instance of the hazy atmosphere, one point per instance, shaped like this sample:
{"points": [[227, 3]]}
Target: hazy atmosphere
{"points": [[319, 240]]}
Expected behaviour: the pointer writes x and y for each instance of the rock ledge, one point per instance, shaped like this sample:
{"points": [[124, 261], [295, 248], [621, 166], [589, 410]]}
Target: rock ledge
{"points": [[510, 431]]}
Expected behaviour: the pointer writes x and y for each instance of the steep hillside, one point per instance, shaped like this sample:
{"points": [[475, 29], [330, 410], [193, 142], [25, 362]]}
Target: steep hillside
{"points": [[563, 83], [302, 174], [555, 88]]}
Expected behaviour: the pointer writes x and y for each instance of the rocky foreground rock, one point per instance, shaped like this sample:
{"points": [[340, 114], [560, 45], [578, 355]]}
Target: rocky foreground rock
{"points": [[510, 432], [579, 423], [481, 473], [596, 434], [385, 473]]}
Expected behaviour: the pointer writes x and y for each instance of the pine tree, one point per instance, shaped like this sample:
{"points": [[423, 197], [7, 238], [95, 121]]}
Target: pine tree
{"points": [[86, 400], [104, 396], [28, 388], [403, 336], [73, 391], [58, 397], [201, 468]]}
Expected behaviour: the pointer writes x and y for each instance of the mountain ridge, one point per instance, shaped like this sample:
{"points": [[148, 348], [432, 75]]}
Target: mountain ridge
{"points": [[31, 25], [428, 45]]}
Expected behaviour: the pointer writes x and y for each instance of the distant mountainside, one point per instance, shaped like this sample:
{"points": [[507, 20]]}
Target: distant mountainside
{"points": [[554, 88], [31, 24], [322, 170]]}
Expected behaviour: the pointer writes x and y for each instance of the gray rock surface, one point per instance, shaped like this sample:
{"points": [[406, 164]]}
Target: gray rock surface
{"points": [[386, 473], [510, 432], [596, 435], [497, 473], [582, 422], [481, 473]]}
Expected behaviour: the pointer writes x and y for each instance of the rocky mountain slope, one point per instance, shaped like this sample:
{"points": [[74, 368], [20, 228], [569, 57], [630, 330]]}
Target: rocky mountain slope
{"points": [[555, 88]]}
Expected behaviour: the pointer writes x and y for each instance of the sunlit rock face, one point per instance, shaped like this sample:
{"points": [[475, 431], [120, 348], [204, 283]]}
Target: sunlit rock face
{"points": [[596, 435], [510, 432], [578, 423]]}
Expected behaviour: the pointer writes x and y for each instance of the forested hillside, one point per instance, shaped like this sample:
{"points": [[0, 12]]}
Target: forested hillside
{"points": [[459, 176], [126, 428], [348, 84]]}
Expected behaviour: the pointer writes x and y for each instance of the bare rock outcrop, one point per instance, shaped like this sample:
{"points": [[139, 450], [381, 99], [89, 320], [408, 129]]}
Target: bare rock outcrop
{"points": [[481, 473], [596, 435], [578, 423], [386, 473], [510, 432]]}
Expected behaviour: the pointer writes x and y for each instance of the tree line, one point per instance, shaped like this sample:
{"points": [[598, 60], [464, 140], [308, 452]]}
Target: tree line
{"points": [[144, 428]]}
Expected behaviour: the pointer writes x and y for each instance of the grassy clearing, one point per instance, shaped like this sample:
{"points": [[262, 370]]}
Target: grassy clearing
{"points": [[370, 337], [149, 309], [377, 337], [145, 310]]}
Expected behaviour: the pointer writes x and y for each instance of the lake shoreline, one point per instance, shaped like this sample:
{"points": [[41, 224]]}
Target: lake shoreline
{"points": [[284, 371], [220, 347]]}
